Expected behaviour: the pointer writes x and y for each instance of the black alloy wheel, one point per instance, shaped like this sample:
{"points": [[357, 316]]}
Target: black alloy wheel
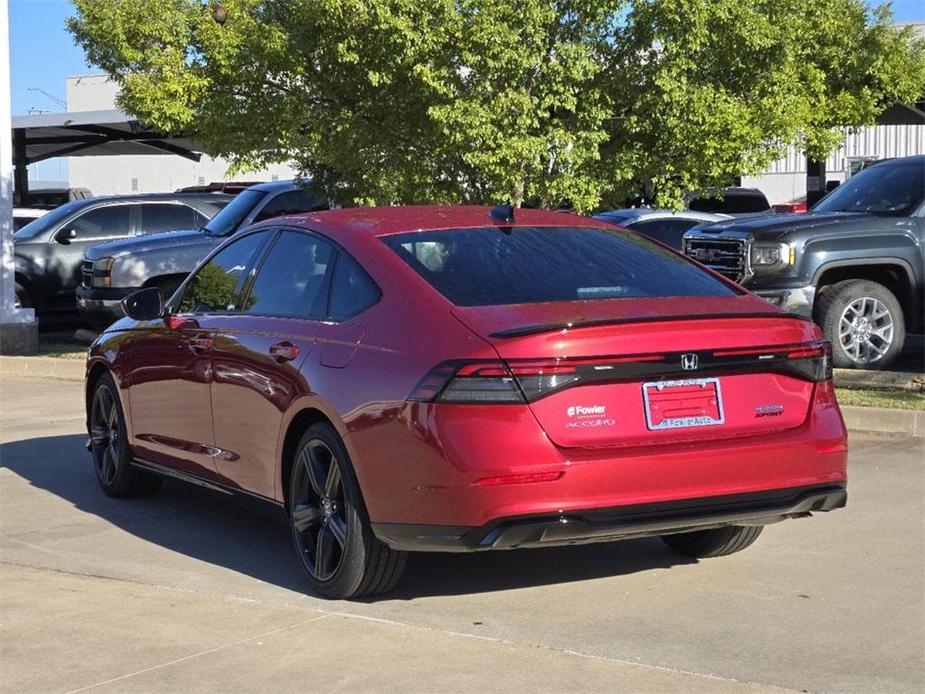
{"points": [[106, 437], [319, 519], [330, 525], [109, 446]]}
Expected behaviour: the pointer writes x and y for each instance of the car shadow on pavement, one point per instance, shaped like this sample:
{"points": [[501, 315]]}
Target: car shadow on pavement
{"points": [[214, 529]]}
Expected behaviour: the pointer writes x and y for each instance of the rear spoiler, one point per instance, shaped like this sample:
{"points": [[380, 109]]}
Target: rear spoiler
{"points": [[554, 327]]}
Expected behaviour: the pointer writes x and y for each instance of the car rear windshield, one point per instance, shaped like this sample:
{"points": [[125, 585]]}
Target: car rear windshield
{"points": [[524, 265]]}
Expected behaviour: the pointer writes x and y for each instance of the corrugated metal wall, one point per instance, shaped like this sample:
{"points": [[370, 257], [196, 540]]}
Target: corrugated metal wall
{"points": [[879, 141]]}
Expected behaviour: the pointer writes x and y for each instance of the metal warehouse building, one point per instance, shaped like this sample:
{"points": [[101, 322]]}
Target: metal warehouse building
{"points": [[900, 132]]}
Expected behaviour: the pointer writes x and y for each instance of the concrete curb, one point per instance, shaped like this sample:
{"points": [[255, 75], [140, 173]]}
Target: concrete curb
{"points": [[43, 367], [879, 380], [858, 419], [884, 420]]}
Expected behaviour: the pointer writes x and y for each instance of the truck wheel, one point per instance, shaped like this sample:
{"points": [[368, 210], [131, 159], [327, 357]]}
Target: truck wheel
{"points": [[168, 286], [22, 300], [717, 542], [864, 322]]}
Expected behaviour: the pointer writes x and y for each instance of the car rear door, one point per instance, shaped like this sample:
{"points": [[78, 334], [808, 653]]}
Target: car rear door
{"points": [[258, 352]]}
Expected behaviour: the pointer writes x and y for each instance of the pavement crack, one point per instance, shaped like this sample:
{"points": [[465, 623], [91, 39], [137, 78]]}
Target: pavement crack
{"points": [[563, 651], [198, 654]]}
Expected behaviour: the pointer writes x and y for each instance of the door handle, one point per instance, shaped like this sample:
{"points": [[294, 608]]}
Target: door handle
{"points": [[284, 351], [201, 343]]}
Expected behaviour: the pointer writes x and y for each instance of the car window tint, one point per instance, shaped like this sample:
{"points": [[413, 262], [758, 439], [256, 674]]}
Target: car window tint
{"points": [[290, 202], [20, 222], [352, 290], [233, 214], [732, 203], [167, 217], [101, 223], [291, 280], [888, 189], [497, 265], [669, 231], [216, 285]]}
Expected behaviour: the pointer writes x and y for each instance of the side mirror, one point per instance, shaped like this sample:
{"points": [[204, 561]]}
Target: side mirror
{"points": [[145, 304], [65, 236]]}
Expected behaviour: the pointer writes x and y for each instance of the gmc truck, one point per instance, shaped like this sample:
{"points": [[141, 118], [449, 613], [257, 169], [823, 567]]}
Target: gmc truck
{"points": [[854, 262]]}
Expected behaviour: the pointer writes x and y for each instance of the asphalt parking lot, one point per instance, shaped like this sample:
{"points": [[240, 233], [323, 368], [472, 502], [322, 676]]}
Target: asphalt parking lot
{"points": [[183, 591]]}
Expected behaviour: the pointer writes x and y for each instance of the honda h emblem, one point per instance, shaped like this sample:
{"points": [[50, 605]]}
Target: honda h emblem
{"points": [[689, 361]]}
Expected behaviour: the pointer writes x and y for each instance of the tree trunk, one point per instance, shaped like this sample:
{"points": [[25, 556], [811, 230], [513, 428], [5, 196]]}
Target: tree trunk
{"points": [[517, 195]]}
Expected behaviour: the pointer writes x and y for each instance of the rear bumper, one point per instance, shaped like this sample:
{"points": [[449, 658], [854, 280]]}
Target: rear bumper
{"points": [[622, 522], [102, 306]]}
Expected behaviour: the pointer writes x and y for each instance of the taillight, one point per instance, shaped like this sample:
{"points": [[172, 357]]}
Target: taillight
{"points": [[814, 361], [481, 383], [493, 382], [524, 380]]}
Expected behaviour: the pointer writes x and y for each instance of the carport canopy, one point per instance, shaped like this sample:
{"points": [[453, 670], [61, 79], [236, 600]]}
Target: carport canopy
{"points": [[86, 134]]}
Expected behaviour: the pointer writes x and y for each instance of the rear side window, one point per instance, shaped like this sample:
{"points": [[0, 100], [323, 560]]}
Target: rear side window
{"points": [[168, 217], [216, 285], [352, 290], [291, 281], [524, 265], [669, 231]]}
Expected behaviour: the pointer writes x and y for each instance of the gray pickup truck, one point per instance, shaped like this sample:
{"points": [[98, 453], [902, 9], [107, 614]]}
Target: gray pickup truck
{"points": [[855, 262], [111, 271]]}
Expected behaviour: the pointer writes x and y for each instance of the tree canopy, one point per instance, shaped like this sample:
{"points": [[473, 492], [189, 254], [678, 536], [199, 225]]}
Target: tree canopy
{"points": [[540, 102]]}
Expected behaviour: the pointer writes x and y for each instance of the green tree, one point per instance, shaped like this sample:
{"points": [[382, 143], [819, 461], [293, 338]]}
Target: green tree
{"points": [[538, 102], [212, 289]]}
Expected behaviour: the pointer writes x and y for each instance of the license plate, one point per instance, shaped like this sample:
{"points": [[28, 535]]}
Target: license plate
{"points": [[696, 402]]}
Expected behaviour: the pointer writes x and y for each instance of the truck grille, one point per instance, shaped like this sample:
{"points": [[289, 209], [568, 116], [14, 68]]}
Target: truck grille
{"points": [[86, 273], [725, 256]]}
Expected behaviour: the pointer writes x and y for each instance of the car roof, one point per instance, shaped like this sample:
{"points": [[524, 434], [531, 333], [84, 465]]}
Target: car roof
{"points": [[915, 159], [275, 186], [383, 221], [156, 197], [634, 214]]}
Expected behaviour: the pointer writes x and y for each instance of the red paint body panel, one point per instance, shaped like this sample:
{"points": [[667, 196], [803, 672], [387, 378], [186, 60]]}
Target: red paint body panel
{"points": [[225, 415]]}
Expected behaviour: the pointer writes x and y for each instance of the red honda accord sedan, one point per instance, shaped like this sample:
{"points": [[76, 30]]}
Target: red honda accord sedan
{"points": [[457, 379]]}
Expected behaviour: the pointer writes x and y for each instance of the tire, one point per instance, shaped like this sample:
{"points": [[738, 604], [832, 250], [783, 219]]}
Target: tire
{"points": [[326, 510], [109, 446], [717, 542], [23, 299], [864, 322]]}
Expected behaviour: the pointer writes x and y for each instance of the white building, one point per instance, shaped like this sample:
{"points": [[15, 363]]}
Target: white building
{"points": [[785, 180], [143, 174]]}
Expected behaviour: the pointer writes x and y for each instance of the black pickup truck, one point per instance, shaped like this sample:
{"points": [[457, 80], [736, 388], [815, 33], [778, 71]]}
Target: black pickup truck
{"points": [[855, 262]]}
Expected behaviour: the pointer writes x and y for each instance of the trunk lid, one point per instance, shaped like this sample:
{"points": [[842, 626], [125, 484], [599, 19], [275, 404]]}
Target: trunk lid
{"points": [[654, 371]]}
